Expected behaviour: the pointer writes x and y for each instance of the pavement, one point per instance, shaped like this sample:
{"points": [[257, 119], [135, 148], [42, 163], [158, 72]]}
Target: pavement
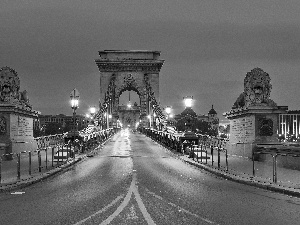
{"points": [[9, 175], [239, 170]]}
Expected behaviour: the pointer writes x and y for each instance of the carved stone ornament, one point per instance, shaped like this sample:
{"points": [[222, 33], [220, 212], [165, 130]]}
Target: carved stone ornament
{"points": [[128, 79], [265, 127], [257, 88], [2, 125], [113, 67]]}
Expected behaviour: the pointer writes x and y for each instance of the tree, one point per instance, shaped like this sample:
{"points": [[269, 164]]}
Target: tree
{"points": [[37, 133], [202, 126], [53, 128]]}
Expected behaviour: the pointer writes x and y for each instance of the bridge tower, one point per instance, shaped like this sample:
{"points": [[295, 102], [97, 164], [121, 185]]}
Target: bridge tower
{"points": [[129, 70]]}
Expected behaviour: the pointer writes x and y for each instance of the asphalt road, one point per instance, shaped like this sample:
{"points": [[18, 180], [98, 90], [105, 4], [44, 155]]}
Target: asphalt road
{"points": [[133, 180]]}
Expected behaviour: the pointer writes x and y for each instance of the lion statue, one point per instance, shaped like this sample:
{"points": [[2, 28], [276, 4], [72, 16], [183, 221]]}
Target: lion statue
{"points": [[9, 88], [257, 88], [9, 85]]}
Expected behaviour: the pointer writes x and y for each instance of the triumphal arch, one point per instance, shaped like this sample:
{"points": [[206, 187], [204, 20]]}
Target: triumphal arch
{"points": [[129, 70]]}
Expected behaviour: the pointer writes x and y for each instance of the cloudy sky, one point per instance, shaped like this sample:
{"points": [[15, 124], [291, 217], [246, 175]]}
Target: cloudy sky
{"points": [[208, 47]]}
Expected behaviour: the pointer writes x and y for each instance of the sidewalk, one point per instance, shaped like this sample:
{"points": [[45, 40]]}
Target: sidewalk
{"points": [[241, 170], [9, 174]]}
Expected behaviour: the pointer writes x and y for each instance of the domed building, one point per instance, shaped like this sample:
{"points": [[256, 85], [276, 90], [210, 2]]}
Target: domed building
{"points": [[211, 118], [188, 111]]}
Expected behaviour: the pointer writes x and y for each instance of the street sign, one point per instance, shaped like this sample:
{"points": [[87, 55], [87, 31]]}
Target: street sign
{"points": [[74, 94]]}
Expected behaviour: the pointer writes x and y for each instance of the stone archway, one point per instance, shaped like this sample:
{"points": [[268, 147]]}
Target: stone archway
{"points": [[129, 70]]}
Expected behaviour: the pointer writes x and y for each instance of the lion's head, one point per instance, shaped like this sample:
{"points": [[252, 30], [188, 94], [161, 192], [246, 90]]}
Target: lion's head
{"points": [[257, 87], [9, 84]]}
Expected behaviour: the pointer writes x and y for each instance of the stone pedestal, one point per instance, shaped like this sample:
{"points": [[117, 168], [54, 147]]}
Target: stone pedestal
{"points": [[16, 115], [250, 126], [17, 129]]}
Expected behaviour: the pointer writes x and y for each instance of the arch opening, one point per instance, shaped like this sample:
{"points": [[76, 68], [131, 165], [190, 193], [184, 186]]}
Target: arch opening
{"points": [[129, 108]]}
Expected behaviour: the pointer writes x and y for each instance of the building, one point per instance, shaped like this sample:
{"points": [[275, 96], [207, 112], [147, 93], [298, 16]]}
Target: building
{"points": [[289, 123], [62, 119], [211, 118]]}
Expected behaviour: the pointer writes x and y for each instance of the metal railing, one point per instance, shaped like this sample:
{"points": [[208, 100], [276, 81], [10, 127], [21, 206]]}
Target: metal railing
{"points": [[274, 151], [52, 152], [213, 151], [205, 149]]}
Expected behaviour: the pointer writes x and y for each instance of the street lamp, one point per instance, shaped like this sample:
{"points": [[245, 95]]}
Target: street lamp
{"points": [[154, 120], [74, 105], [188, 137], [168, 111], [109, 117], [188, 101], [105, 119], [92, 113], [92, 110], [129, 105], [149, 117]]}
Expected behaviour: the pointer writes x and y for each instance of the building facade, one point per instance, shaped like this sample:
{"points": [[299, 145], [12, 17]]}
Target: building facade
{"points": [[289, 123], [62, 119], [211, 118]]}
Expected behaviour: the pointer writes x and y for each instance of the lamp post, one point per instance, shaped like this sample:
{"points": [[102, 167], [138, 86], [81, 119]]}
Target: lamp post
{"points": [[74, 105], [92, 112], [168, 111], [154, 120], [188, 137], [105, 119], [109, 117], [149, 117], [188, 102]]}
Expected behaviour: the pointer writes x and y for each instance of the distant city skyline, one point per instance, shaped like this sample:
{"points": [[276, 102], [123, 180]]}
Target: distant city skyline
{"points": [[208, 47]]}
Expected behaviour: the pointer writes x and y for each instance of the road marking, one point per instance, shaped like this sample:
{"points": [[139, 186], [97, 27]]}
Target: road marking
{"points": [[17, 193], [180, 208], [101, 210], [142, 206], [122, 206], [132, 190]]}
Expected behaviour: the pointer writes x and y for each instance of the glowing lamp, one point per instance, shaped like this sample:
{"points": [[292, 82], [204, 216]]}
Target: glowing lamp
{"points": [[188, 101]]}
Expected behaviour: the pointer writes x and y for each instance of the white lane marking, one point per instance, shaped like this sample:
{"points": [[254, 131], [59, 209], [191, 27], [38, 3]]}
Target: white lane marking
{"points": [[101, 210], [181, 209], [132, 190], [17, 193], [142, 206], [122, 206]]}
